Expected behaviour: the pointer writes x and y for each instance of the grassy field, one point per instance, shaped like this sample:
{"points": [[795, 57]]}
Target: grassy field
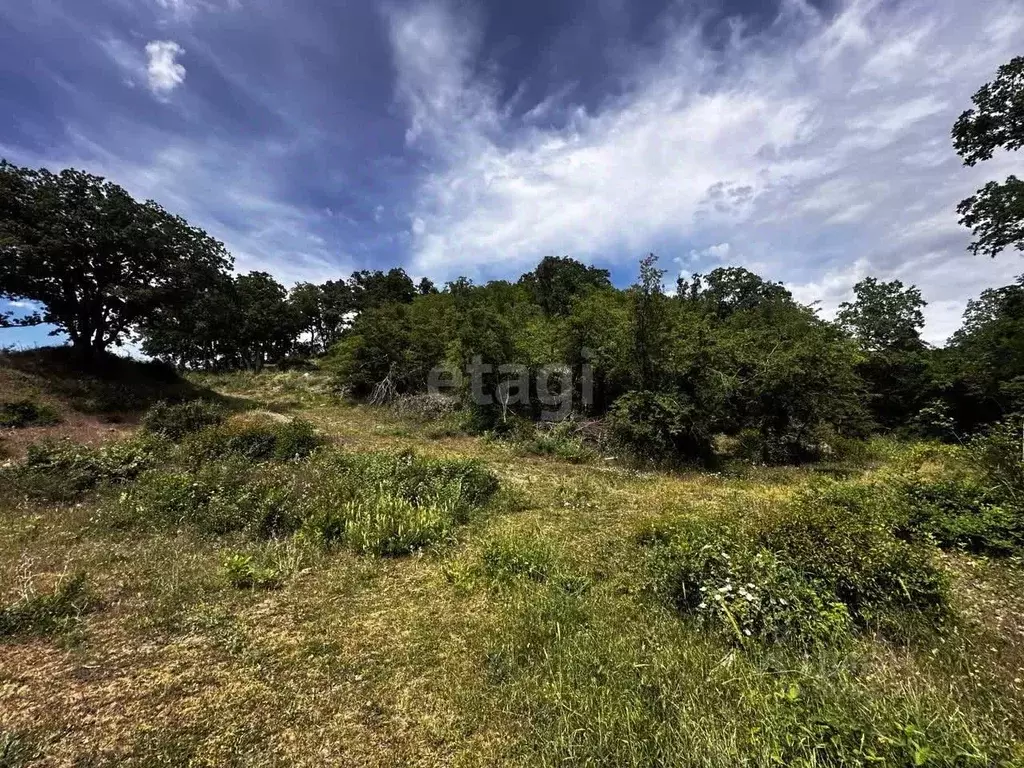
{"points": [[529, 631]]}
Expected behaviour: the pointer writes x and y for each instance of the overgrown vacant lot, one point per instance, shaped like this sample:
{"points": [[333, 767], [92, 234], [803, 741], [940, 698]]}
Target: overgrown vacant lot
{"points": [[287, 584]]}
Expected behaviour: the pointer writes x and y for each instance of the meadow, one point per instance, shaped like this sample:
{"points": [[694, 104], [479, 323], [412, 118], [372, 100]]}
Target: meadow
{"points": [[273, 575]]}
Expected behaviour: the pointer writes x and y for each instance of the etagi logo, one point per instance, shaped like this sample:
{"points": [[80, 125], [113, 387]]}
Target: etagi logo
{"points": [[554, 386]]}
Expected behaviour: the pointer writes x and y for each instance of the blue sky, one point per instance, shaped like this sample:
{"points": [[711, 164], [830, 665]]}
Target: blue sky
{"points": [[806, 141]]}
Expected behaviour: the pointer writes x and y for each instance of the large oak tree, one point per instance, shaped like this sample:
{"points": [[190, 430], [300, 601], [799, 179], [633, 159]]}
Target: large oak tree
{"points": [[96, 260]]}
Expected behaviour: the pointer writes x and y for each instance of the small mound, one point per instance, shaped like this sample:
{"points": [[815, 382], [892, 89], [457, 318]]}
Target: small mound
{"points": [[108, 384]]}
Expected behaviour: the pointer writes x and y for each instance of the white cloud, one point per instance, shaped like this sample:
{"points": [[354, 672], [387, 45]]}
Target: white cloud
{"points": [[163, 70], [822, 143]]}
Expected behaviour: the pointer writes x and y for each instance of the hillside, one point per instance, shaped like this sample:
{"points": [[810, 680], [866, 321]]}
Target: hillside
{"points": [[210, 604], [89, 404]]}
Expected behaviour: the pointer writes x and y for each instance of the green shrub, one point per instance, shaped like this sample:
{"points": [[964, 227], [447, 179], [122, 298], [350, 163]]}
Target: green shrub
{"points": [[243, 572], [25, 413], [379, 503], [219, 497], [661, 426], [391, 503], [415, 478], [997, 456], [50, 613], [560, 442], [256, 438], [808, 571], [176, 421], [969, 497], [64, 470], [963, 513]]}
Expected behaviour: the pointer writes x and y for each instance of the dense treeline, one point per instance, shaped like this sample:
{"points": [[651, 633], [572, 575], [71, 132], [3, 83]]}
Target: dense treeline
{"points": [[727, 353]]}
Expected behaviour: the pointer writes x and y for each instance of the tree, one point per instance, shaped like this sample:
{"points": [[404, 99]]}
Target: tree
{"points": [[984, 364], [883, 316], [306, 300], [649, 324], [726, 290], [557, 281], [266, 324], [372, 289], [995, 213], [199, 334], [98, 261], [337, 310]]}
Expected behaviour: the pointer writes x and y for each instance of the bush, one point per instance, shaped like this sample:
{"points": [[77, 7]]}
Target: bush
{"points": [[660, 425], [219, 497], [176, 421], [25, 413], [382, 503], [963, 513], [560, 441], [49, 613], [425, 407], [243, 572], [64, 470], [391, 503], [808, 572], [256, 437], [964, 497], [997, 456]]}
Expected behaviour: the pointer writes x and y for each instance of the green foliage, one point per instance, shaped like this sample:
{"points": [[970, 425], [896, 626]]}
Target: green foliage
{"points": [[64, 470], [806, 572], [507, 562], [49, 613], [256, 437], [964, 497], [884, 316], [659, 426], [391, 503], [556, 282], [963, 513], [26, 413], [217, 498], [561, 441], [175, 421], [996, 212], [382, 503], [244, 572], [98, 261]]}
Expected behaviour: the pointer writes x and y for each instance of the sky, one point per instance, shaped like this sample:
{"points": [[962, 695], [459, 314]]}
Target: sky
{"points": [[806, 141]]}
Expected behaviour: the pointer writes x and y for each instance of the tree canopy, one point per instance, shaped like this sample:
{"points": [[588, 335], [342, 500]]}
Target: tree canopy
{"points": [[995, 213], [97, 261]]}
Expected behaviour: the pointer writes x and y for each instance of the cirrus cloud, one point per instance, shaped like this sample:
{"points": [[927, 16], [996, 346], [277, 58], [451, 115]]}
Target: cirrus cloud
{"points": [[817, 146]]}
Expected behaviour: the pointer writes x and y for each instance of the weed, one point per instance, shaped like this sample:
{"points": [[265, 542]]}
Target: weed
{"points": [[176, 421], [560, 442], [63, 470], [256, 437], [806, 571], [49, 613], [26, 413], [243, 572]]}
